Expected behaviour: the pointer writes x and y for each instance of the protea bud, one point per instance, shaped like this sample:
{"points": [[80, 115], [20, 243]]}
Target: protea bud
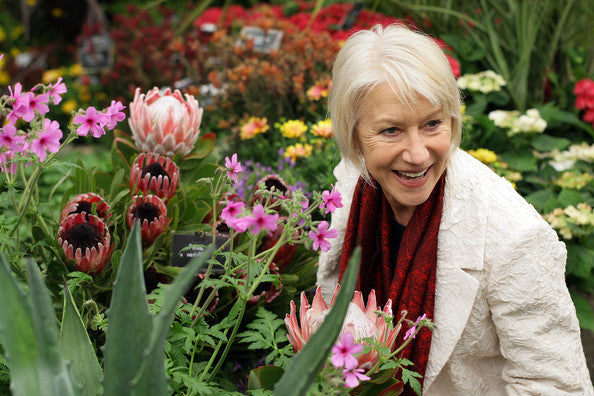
{"points": [[156, 173], [151, 211], [85, 239], [165, 122], [83, 203]]}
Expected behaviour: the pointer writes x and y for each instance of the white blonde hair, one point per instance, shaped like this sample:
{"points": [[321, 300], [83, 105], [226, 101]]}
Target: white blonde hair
{"points": [[411, 62]]}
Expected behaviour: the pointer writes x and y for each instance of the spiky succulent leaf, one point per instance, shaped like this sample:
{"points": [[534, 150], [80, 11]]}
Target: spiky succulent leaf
{"points": [[304, 367], [130, 322], [152, 378], [77, 348]]}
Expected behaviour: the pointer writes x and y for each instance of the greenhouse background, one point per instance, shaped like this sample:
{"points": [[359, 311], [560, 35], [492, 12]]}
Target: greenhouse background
{"points": [[260, 72]]}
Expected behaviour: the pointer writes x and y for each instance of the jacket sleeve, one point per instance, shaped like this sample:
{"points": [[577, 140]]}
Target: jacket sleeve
{"points": [[329, 264], [533, 313]]}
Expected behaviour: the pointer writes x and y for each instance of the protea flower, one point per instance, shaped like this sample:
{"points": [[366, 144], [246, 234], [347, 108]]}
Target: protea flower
{"points": [[165, 123], [83, 203], [360, 320], [151, 211], [156, 173], [85, 239], [271, 182]]}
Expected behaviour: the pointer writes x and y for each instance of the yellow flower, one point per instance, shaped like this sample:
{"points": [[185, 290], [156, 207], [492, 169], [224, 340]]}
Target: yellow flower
{"points": [[293, 129], [484, 155], [69, 106], [76, 70], [4, 78], [14, 51], [254, 126], [463, 109], [323, 128], [298, 151], [57, 13], [31, 3], [49, 76]]}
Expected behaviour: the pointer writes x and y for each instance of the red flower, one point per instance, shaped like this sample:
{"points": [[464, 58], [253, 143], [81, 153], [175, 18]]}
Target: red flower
{"points": [[156, 173], [151, 211], [85, 239], [83, 203]]}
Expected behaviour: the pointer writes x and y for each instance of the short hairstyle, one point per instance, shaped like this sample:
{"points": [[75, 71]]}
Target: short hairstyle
{"points": [[411, 62]]}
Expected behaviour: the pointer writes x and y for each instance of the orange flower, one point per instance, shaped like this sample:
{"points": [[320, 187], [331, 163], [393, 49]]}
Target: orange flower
{"points": [[298, 151], [254, 126], [323, 129]]}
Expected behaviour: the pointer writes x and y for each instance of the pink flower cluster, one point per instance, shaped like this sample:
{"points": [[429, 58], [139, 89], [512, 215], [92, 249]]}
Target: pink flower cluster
{"points": [[343, 356], [584, 100], [44, 134]]}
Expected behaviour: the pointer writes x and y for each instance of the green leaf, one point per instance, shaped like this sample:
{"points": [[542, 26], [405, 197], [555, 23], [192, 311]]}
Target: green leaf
{"points": [[264, 377], [584, 311], [540, 198], [77, 348], [304, 367], [410, 377], [130, 322], [18, 334], [569, 197], [580, 261], [545, 143], [523, 162], [152, 378]]}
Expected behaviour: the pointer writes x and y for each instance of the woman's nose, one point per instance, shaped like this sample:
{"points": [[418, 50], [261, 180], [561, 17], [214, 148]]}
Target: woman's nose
{"points": [[415, 151]]}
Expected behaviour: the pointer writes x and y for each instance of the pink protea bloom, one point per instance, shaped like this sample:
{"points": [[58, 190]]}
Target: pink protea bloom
{"points": [[85, 239], [83, 203], [151, 211], [165, 123], [361, 321], [156, 173]]}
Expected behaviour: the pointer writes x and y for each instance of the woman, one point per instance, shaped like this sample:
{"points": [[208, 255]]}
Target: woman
{"points": [[441, 233]]}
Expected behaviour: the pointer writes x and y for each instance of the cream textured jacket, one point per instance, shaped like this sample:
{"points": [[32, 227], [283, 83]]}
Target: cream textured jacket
{"points": [[504, 321]]}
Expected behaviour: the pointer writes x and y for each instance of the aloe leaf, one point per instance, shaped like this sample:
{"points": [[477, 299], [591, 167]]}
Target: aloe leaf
{"points": [[304, 367], [77, 348], [18, 334], [152, 378], [129, 321], [54, 375]]}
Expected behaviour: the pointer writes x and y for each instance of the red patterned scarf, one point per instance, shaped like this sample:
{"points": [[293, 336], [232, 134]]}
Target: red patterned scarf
{"points": [[410, 282]]}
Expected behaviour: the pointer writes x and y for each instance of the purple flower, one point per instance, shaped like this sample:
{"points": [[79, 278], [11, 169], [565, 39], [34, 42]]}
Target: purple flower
{"points": [[93, 121], [48, 140], [332, 200], [56, 90], [260, 220], [10, 139], [115, 114], [352, 377], [343, 350], [28, 103], [233, 167], [319, 238]]}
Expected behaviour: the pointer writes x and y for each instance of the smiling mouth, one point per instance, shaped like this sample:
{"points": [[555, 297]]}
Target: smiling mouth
{"points": [[412, 175]]}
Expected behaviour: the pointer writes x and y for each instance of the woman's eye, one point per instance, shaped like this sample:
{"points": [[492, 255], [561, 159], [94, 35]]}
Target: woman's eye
{"points": [[433, 124], [390, 131]]}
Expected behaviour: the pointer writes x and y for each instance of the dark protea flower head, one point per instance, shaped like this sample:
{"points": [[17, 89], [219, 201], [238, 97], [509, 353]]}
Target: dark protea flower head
{"points": [[83, 203], [151, 211], [85, 239], [155, 173], [271, 182]]}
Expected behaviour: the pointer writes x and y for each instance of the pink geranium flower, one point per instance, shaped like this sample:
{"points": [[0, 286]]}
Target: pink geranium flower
{"points": [[231, 211], [29, 103], [260, 220], [353, 376], [343, 351], [115, 114], [332, 200], [10, 139], [56, 90], [92, 121], [48, 140], [319, 237], [233, 167], [413, 329]]}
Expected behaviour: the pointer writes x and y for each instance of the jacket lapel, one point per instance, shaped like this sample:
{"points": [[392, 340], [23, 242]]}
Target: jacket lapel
{"points": [[460, 248]]}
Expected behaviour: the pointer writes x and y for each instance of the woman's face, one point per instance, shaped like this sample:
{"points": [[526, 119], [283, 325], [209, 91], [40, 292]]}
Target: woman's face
{"points": [[405, 150]]}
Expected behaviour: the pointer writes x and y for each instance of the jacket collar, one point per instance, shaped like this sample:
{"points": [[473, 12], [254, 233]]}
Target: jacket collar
{"points": [[460, 248]]}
